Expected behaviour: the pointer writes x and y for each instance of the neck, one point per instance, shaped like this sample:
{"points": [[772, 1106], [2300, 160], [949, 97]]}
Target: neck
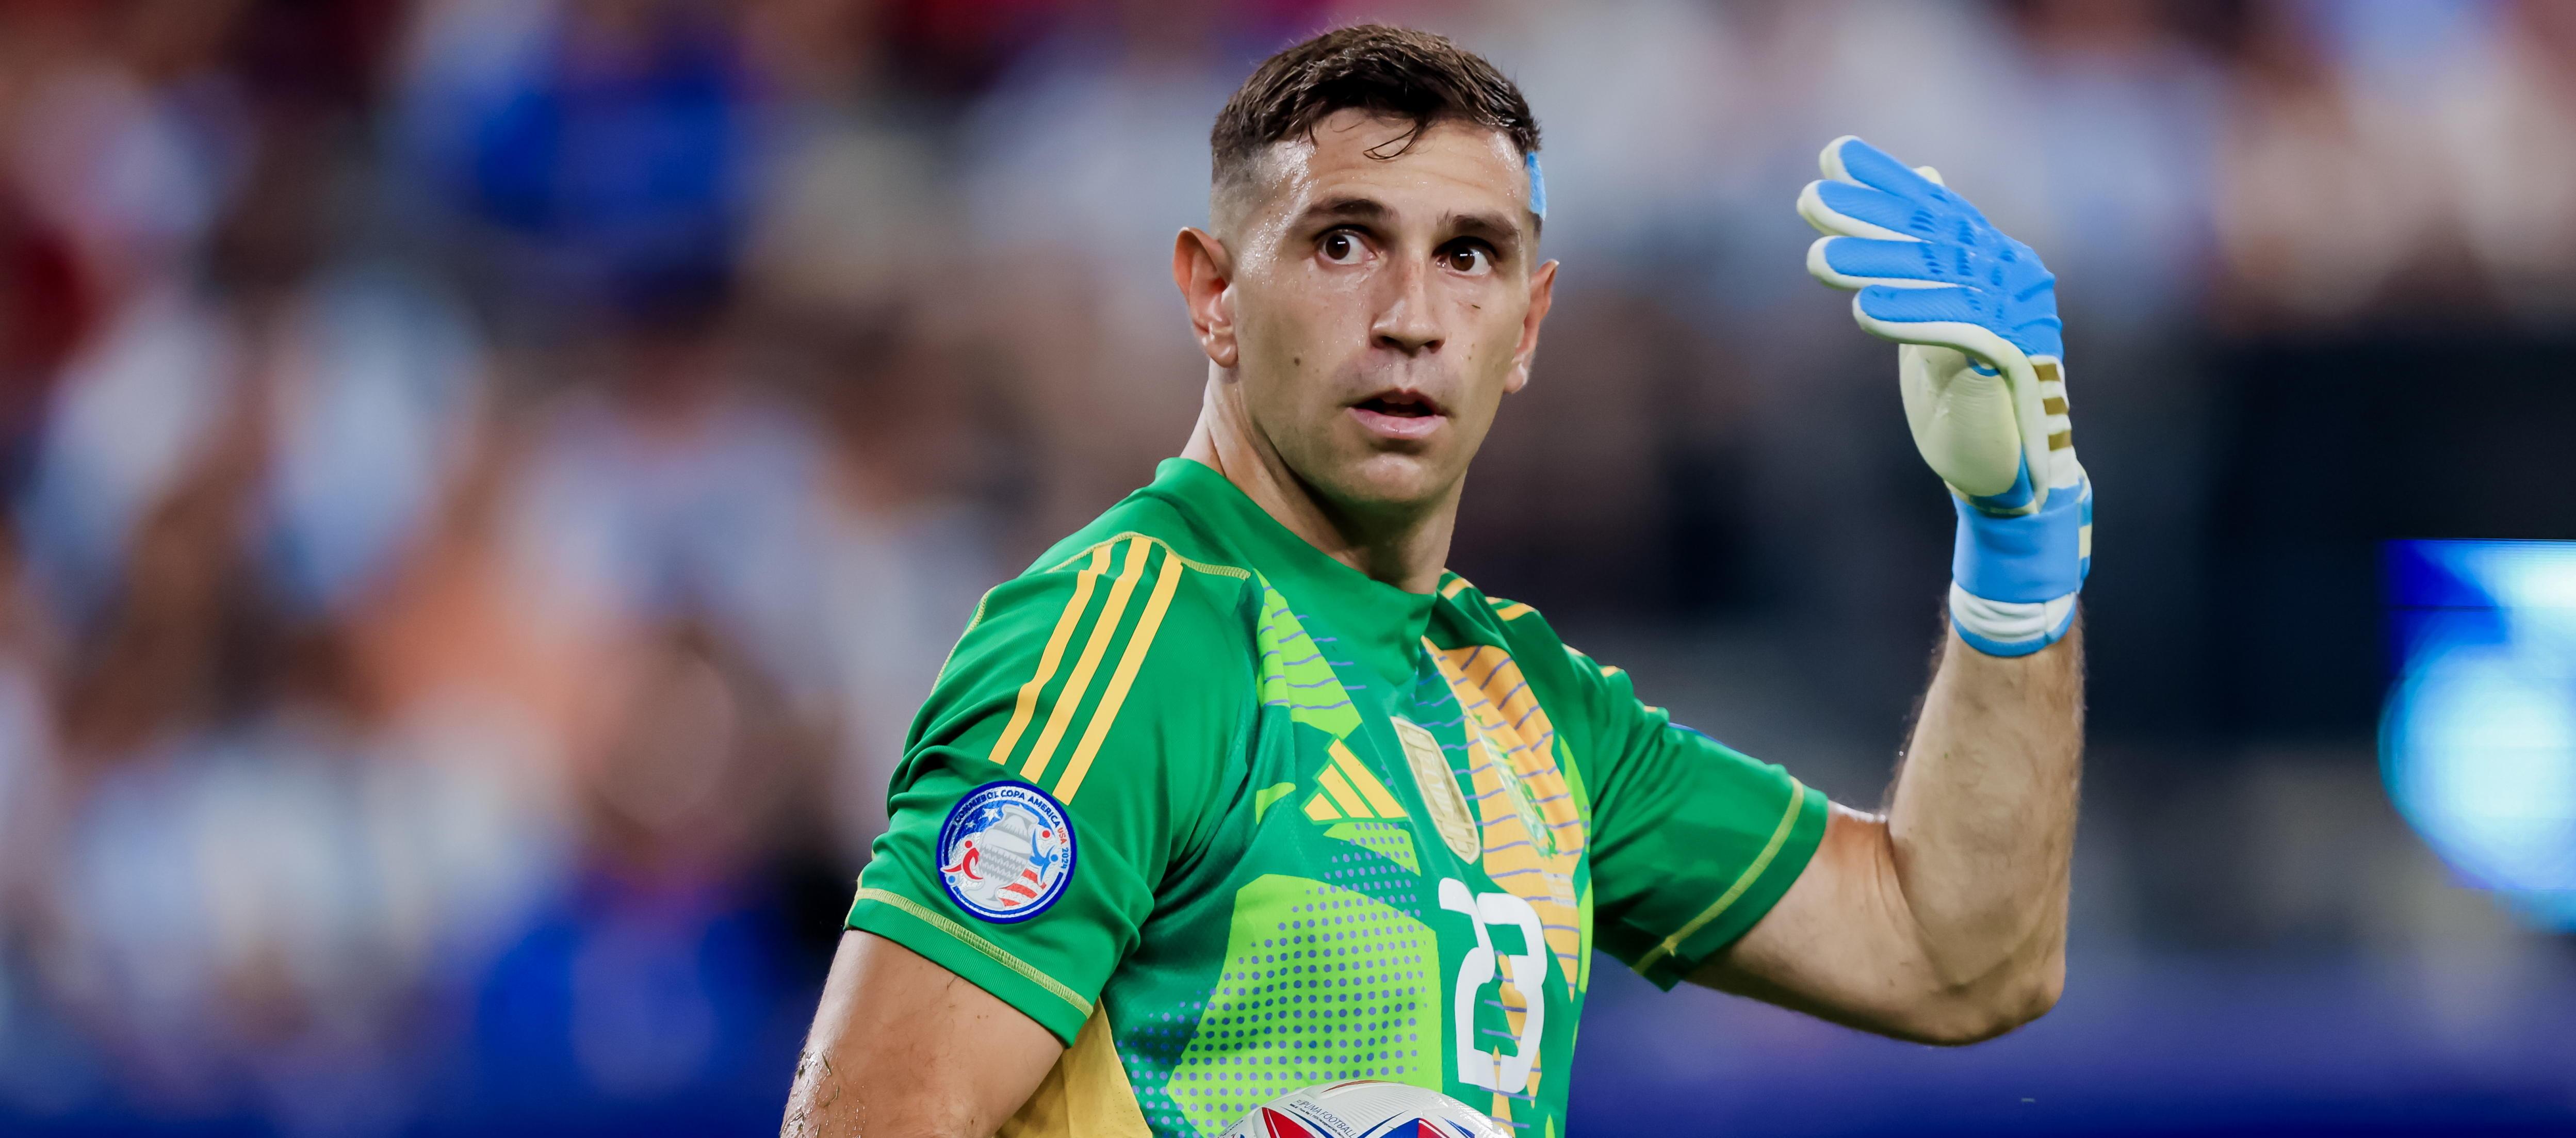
{"points": [[1406, 548]]}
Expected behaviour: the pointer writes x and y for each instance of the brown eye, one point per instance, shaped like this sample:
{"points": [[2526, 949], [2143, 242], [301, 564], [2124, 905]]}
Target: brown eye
{"points": [[1340, 247], [1470, 259]]}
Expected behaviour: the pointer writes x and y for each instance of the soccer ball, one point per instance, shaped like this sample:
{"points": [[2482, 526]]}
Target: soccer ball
{"points": [[1366, 1108]]}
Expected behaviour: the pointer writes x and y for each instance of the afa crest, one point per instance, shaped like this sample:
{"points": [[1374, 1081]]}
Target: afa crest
{"points": [[1006, 852]]}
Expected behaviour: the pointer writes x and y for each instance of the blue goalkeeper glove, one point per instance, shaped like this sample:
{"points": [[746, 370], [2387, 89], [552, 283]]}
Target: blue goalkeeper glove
{"points": [[1974, 314]]}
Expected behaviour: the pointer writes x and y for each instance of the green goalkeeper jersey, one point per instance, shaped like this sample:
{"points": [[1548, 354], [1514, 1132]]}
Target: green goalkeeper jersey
{"points": [[1231, 818]]}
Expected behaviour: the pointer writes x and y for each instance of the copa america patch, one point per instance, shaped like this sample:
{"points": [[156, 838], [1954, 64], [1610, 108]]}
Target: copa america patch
{"points": [[1006, 852]]}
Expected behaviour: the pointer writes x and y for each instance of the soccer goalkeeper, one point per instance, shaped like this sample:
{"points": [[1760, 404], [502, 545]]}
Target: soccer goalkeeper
{"points": [[1237, 790]]}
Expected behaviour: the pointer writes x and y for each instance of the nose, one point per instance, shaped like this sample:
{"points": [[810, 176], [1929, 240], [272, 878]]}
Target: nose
{"points": [[1405, 320]]}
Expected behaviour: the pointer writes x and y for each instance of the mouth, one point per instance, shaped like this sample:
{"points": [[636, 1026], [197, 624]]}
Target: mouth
{"points": [[1399, 414]]}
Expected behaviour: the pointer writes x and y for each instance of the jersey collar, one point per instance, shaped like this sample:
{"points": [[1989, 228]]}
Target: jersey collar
{"points": [[1380, 624]]}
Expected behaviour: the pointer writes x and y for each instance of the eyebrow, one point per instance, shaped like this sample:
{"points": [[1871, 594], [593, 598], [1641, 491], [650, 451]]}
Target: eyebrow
{"points": [[1347, 208], [1494, 230]]}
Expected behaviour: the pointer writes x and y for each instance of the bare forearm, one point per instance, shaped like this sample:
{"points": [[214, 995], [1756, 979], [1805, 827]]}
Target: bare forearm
{"points": [[1981, 822], [902, 1048]]}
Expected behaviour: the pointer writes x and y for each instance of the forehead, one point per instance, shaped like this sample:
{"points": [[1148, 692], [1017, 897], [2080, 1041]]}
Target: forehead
{"points": [[1450, 168]]}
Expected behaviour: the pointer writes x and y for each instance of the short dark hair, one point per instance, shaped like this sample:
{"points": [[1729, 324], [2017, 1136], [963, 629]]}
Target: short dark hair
{"points": [[1395, 72]]}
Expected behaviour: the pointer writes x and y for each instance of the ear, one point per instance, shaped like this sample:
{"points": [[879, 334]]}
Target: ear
{"points": [[1542, 293], [1205, 274]]}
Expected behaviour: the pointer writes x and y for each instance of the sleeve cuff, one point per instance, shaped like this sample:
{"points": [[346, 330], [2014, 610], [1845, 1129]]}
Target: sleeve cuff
{"points": [[1743, 904], [960, 949]]}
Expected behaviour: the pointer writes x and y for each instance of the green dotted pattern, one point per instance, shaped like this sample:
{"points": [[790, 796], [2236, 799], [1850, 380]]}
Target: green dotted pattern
{"points": [[1369, 866], [1320, 984], [1385, 839], [1148, 1050]]}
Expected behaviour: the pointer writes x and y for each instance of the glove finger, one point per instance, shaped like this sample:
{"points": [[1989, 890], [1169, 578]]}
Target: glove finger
{"points": [[2042, 332], [1940, 304], [1848, 159], [1844, 209], [1857, 262], [1943, 315]]}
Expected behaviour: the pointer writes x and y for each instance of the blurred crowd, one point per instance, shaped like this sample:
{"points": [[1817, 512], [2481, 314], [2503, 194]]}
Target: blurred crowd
{"points": [[487, 481]]}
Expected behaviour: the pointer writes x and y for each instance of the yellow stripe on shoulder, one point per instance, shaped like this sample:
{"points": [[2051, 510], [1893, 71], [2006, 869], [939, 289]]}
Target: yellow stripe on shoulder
{"points": [[1455, 586], [1078, 684], [1166, 582], [1134, 555], [1027, 703], [1235, 571], [1509, 610]]}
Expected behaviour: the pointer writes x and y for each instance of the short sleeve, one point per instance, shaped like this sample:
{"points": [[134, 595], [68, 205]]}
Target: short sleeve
{"points": [[1692, 840], [1097, 699]]}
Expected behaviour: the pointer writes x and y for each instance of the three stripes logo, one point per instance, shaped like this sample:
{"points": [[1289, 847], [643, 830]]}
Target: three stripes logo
{"points": [[1346, 791]]}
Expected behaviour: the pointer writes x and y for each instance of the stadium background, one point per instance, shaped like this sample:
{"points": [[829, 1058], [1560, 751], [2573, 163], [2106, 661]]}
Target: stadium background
{"points": [[488, 481]]}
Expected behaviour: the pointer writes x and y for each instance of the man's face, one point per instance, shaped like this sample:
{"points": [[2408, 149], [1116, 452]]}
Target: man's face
{"points": [[1383, 306]]}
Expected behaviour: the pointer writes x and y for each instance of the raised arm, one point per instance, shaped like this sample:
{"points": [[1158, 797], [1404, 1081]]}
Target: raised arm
{"points": [[903, 1048], [1944, 919]]}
